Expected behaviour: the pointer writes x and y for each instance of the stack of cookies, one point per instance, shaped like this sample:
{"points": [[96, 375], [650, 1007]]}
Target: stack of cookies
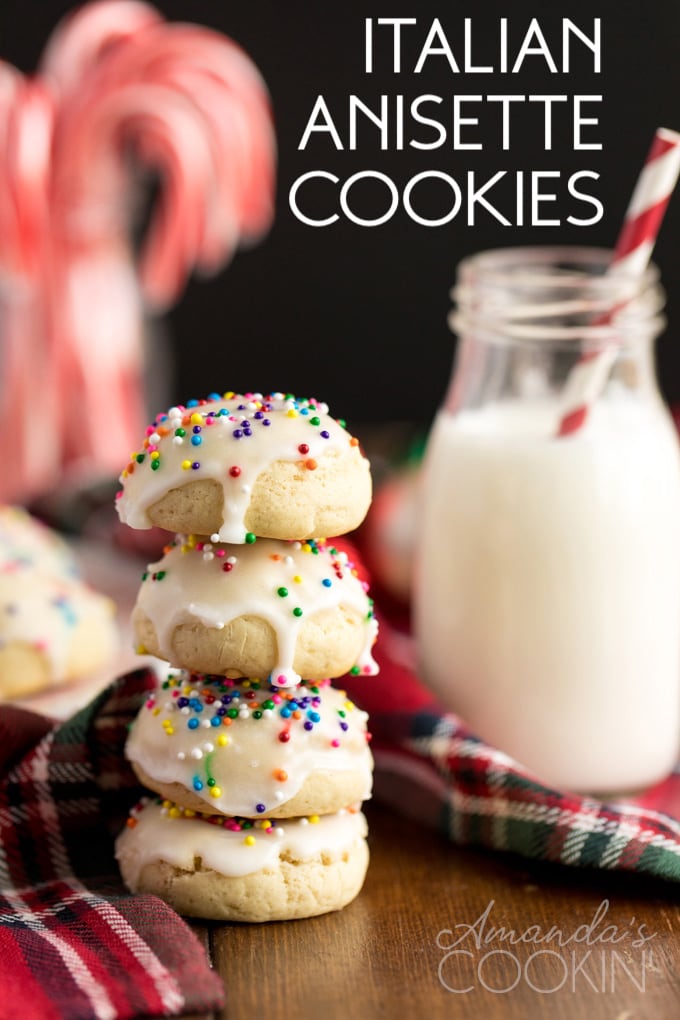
{"points": [[259, 764]]}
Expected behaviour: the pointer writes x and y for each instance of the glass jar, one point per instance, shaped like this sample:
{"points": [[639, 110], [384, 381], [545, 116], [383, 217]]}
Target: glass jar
{"points": [[547, 594]]}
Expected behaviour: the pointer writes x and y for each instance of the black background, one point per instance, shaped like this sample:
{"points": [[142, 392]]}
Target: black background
{"points": [[357, 316]]}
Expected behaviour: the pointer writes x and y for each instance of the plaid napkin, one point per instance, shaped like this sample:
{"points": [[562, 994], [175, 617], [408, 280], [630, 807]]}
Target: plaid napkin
{"points": [[431, 767], [73, 943]]}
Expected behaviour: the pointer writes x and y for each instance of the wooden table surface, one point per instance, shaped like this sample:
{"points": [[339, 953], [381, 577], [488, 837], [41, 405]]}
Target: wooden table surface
{"points": [[423, 939]]}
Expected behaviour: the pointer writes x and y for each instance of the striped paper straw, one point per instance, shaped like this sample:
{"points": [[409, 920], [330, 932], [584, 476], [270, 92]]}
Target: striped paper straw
{"points": [[631, 257]]}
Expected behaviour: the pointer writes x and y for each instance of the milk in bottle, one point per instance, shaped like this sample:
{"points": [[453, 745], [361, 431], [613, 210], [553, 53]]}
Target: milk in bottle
{"points": [[547, 604]]}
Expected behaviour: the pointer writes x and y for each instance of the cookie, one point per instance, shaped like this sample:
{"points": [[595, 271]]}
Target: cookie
{"points": [[280, 609], [28, 544], [239, 871], [52, 631], [219, 746], [273, 466]]}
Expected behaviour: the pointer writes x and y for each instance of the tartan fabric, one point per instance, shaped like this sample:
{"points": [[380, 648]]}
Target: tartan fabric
{"points": [[73, 943], [431, 767]]}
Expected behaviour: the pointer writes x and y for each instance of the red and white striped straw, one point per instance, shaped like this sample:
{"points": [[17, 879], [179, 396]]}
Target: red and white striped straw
{"points": [[631, 257]]}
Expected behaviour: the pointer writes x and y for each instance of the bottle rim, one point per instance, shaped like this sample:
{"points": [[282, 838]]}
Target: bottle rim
{"points": [[555, 294]]}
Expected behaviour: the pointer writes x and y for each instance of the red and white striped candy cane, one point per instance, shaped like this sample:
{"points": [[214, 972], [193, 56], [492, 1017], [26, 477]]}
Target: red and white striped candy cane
{"points": [[631, 257], [188, 104], [92, 191], [11, 82], [29, 449], [119, 91], [231, 102], [85, 36]]}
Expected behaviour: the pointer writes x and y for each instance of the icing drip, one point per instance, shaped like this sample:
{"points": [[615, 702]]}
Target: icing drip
{"points": [[251, 431], [161, 832], [280, 582], [243, 747]]}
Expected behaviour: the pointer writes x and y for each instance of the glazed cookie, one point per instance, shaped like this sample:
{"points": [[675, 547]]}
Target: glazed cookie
{"points": [[52, 630], [219, 746], [237, 870], [285, 609], [28, 544], [273, 466]]}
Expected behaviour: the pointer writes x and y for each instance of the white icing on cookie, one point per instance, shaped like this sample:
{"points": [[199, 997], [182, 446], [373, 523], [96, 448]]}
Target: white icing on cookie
{"points": [[27, 544], [242, 747], [229, 440], [280, 582], [48, 614], [164, 834]]}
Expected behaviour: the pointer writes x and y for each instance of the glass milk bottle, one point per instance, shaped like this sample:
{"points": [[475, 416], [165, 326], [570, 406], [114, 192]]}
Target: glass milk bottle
{"points": [[547, 601]]}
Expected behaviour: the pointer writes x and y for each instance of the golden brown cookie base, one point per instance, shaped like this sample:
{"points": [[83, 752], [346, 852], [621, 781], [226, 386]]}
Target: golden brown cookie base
{"points": [[329, 643], [285, 891], [323, 793], [25, 670], [288, 501]]}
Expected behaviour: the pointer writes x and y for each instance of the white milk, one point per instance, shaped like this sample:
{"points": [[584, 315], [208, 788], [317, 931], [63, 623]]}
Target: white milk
{"points": [[548, 591]]}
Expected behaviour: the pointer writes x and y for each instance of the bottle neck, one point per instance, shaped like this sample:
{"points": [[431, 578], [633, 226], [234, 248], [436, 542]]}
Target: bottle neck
{"points": [[527, 319]]}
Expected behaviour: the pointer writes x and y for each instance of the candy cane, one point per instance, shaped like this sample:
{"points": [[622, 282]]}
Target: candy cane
{"points": [[201, 63], [29, 451], [106, 352], [86, 36], [11, 82], [161, 129], [186, 104], [27, 164], [232, 104], [196, 110]]}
